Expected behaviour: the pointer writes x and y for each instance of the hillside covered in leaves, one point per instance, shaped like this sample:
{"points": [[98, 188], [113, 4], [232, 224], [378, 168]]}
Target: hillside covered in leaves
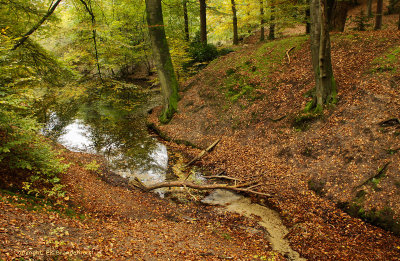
{"points": [[326, 172]]}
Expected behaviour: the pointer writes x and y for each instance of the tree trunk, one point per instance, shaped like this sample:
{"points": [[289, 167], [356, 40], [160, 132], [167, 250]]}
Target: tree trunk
{"points": [[379, 13], [235, 26], [262, 21], [271, 35], [162, 59], [398, 23], [321, 55], [89, 9], [203, 21], [186, 20], [308, 24], [369, 9], [337, 15]]}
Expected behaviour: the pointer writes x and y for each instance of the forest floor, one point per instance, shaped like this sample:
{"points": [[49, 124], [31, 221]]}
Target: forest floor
{"points": [[310, 164], [322, 170], [104, 218]]}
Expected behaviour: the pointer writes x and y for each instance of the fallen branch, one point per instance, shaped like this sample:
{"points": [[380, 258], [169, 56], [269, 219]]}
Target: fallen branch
{"points": [[201, 154], [171, 184], [222, 177], [288, 51]]}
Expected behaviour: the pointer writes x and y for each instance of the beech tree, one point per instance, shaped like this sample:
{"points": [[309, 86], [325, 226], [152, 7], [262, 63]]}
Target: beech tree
{"points": [[234, 23], [203, 21], [378, 15], [262, 21], [321, 55], [162, 59]]}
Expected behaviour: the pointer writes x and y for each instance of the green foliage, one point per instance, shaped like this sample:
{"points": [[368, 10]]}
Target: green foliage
{"points": [[387, 62], [302, 121], [361, 21], [22, 149], [383, 218], [200, 52]]}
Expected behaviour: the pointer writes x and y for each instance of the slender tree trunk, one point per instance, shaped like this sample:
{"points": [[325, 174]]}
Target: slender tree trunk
{"points": [[369, 9], [308, 24], [271, 35], [89, 9], [162, 59], [203, 21], [398, 23], [234, 22], [321, 55], [262, 21], [37, 25], [186, 19], [379, 14]]}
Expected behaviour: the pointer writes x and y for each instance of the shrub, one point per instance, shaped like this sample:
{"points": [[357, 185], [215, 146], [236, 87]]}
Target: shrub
{"points": [[200, 52]]}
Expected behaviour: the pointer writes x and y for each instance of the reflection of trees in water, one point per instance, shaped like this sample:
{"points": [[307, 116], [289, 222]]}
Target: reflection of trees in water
{"points": [[118, 134], [123, 140], [57, 117]]}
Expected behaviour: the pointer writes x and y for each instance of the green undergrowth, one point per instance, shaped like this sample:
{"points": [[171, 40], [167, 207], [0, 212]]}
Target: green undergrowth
{"points": [[246, 74], [388, 62], [32, 203], [303, 121], [383, 218]]}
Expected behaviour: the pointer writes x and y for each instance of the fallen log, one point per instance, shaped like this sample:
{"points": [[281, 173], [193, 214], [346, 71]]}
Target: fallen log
{"points": [[171, 184]]}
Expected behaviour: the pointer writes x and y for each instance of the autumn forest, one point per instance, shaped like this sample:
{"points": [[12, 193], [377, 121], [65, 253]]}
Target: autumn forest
{"points": [[199, 130]]}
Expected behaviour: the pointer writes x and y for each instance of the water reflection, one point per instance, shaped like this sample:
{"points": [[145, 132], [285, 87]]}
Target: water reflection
{"points": [[119, 135]]}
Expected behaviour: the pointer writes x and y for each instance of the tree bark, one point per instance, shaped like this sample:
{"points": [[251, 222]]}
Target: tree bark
{"points": [[369, 9], [186, 20], [203, 21], [36, 26], [162, 59], [271, 35], [234, 23], [321, 55], [307, 19], [379, 14], [337, 14], [262, 21], [398, 23]]}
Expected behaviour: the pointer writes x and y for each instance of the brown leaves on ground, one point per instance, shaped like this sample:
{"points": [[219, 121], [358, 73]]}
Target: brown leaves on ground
{"points": [[112, 221], [342, 149]]}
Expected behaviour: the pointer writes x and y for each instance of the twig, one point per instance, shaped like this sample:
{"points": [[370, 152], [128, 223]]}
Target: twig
{"points": [[287, 53]]}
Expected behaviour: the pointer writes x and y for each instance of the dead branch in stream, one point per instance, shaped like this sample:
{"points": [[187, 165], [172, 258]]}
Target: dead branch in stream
{"points": [[201, 154], [186, 184]]}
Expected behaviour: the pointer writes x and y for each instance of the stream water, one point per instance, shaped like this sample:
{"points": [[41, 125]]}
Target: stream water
{"points": [[121, 136]]}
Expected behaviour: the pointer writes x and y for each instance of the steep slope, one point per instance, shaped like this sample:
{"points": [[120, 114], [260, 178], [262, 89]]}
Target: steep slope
{"points": [[253, 99]]}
